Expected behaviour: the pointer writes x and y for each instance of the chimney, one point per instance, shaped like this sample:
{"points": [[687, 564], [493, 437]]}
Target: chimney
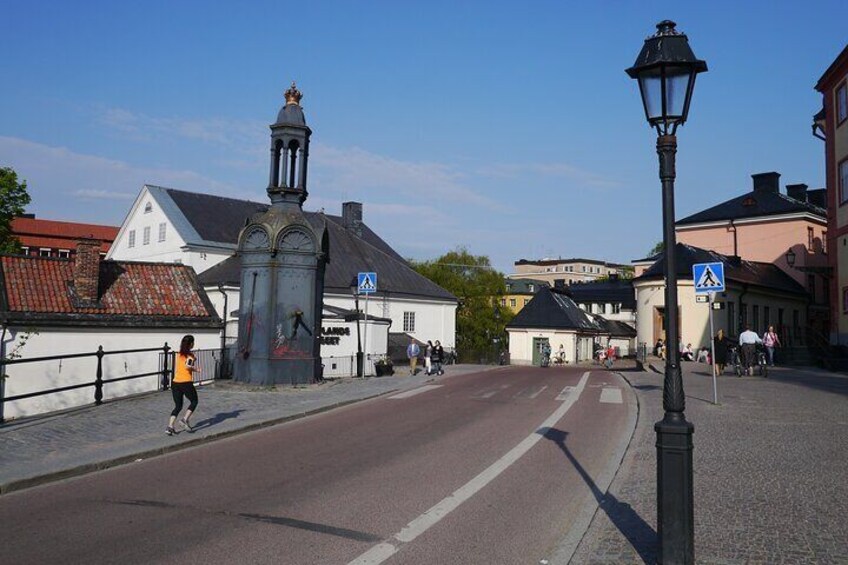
{"points": [[797, 191], [352, 217], [87, 270], [767, 182]]}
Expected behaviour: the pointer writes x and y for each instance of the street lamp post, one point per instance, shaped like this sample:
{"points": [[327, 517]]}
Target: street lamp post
{"points": [[354, 290], [666, 69]]}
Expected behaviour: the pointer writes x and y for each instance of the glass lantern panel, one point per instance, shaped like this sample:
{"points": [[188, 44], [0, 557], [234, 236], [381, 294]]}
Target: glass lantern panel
{"points": [[677, 82], [651, 85]]}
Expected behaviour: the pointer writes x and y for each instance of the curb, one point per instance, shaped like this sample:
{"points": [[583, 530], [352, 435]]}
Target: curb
{"points": [[568, 545], [86, 468]]}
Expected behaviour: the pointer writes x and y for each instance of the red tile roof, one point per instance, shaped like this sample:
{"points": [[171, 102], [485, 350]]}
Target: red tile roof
{"points": [[42, 285], [35, 233]]}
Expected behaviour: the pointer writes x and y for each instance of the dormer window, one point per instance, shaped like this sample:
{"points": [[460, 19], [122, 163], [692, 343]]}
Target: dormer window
{"points": [[531, 288], [148, 208]]}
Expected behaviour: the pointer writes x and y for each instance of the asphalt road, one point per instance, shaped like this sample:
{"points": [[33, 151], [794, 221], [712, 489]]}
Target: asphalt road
{"points": [[488, 468]]}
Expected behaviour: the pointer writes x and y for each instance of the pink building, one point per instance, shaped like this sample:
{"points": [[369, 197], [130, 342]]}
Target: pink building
{"points": [[764, 225]]}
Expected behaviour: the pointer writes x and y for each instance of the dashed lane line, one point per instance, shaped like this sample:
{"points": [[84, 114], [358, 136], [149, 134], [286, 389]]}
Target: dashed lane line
{"points": [[383, 551], [413, 392]]}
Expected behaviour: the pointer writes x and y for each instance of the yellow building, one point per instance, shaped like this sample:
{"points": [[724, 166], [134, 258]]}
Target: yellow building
{"points": [[519, 292]]}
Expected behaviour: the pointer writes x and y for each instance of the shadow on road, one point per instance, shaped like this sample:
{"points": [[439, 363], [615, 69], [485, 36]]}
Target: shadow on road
{"points": [[217, 419], [639, 533]]}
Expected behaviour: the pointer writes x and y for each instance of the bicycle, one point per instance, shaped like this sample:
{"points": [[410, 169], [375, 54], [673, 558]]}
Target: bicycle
{"points": [[762, 362], [735, 359]]}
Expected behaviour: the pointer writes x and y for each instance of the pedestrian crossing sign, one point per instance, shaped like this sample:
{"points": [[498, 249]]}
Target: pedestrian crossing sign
{"points": [[708, 277], [367, 283]]}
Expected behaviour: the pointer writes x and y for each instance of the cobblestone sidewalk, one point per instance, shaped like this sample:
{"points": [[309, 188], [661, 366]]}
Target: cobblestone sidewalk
{"points": [[771, 479], [38, 450]]}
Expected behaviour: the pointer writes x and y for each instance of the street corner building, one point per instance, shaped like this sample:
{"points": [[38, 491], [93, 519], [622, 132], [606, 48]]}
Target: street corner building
{"points": [[552, 318], [62, 307], [757, 293]]}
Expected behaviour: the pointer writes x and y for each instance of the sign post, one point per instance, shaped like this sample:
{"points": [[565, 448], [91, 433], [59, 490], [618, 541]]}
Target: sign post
{"points": [[709, 279], [367, 285]]}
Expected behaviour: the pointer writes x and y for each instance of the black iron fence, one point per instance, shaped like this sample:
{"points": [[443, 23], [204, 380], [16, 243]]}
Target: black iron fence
{"points": [[164, 370], [211, 362]]}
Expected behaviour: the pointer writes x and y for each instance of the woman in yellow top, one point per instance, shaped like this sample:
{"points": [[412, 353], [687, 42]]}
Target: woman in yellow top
{"points": [[183, 385]]}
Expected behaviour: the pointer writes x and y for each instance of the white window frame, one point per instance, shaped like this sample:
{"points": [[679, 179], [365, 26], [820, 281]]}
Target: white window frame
{"points": [[64, 253], [145, 238], [162, 231], [43, 250], [148, 208], [409, 322], [25, 250], [131, 239]]}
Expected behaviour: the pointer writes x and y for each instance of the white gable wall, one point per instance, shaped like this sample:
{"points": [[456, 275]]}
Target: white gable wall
{"points": [[41, 375]]}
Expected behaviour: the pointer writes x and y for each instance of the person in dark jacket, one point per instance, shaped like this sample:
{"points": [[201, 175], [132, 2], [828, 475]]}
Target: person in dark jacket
{"points": [[438, 356], [720, 343]]}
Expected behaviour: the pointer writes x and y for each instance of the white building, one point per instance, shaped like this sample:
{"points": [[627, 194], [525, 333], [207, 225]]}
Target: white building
{"points": [[54, 307], [201, 230]]}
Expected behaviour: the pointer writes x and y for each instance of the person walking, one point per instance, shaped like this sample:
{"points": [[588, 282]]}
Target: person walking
{"points": [[438, 358], [185, 366], [748, 341], [428, 354], [720, 344], [610, 358], [770, 341], [412, 353]]}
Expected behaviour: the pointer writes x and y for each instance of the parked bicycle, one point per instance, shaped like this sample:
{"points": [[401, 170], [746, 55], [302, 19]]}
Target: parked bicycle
{"points": [[734, 355], [762, 362]]}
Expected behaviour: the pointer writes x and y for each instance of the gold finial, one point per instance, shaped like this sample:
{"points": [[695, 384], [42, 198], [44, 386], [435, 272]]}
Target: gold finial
{"points": [[293, 95]]}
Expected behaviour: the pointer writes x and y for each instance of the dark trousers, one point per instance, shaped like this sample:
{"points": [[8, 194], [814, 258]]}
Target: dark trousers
{"points": [[178, 390], [749, 354]]}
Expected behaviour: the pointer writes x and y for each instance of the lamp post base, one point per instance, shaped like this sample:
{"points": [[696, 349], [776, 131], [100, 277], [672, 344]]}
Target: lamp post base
{"points": [[360, 362], [675, 494]]}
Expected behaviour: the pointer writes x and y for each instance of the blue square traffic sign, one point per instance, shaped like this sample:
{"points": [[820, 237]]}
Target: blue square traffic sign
{"points": [[367, 283], [708, 277]]}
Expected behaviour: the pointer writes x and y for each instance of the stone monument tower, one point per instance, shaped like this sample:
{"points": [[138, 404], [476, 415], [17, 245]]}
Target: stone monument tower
{"points": [[282, 272]]}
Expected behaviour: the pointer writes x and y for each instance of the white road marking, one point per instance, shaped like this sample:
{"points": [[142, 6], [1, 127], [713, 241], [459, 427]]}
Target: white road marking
{"points": [[611, 395], [382, 551], [413, 392], [566, 392], [538, 392], [492, 392]]}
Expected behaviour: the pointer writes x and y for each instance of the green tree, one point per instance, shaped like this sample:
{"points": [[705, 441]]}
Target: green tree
{"points": [[13, 200], [657, 249], [480, 318]]}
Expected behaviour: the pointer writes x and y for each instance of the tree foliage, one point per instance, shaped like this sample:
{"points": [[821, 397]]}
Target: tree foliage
{"points": [[13, 201], [657, 249], [480, 319]]}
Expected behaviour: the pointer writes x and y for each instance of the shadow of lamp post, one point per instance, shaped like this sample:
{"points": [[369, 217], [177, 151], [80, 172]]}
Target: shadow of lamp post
{"points": [[666, 69], [354, 290]]}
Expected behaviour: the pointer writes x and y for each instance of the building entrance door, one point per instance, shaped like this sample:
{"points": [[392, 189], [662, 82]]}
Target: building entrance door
{"points": [[538, 345]]}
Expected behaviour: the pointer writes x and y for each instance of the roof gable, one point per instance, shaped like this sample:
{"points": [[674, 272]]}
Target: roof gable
{"points": [[757, 273], [553, 309], [753, 204]]}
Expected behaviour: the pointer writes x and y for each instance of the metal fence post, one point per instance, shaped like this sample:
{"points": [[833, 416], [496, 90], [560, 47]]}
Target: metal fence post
{"points": [[165, 371], [98, 381]]}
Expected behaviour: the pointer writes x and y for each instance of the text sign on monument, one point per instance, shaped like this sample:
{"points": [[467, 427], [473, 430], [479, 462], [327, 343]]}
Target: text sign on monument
{"points": [[708, 277]]}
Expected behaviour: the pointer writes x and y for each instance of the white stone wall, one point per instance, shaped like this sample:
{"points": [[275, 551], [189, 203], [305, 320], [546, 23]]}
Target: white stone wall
{"points": [[36, 376], [521, 344]]}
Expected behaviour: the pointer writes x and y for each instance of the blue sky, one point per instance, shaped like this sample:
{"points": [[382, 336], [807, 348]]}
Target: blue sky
{"points": [[508, 128]]}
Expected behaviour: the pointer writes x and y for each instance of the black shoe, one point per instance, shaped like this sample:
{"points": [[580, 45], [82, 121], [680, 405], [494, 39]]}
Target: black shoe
{"points": [[169, 431]]}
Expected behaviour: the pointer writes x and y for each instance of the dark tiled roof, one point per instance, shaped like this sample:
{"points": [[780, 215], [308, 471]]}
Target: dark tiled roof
{"points": [[553, 309], [614, 327], [560, 260], [606, 291], [756, 273], [349, 254], [38, 288], [522, 286], [752, 205]]}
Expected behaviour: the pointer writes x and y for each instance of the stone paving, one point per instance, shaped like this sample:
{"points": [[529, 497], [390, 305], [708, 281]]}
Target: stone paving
{"points": [[41, 449], [771, 471]]}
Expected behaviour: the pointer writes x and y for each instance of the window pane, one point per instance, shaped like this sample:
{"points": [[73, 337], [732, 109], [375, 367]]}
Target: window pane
{"points": [[146, 236], [841, 104], [676, 93], [162, 232], [652, 95], [843, 182]]}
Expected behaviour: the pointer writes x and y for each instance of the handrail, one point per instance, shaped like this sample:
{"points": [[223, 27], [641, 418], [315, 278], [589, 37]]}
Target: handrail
{"points": [[98, 381]]}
